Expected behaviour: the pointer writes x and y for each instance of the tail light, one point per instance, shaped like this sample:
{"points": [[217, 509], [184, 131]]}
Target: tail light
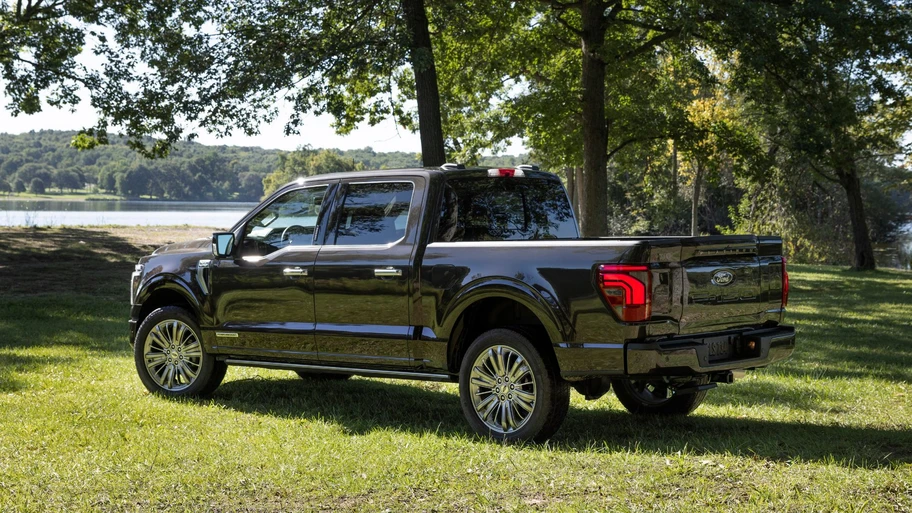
{"points": [[628, 289], [785, 285]]}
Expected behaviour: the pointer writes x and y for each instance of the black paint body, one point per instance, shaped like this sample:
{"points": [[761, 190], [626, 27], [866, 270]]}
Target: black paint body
{"points": [[418, 323]]}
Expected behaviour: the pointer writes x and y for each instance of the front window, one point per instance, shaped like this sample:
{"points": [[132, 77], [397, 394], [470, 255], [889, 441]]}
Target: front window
{"points": [[290, 220]]}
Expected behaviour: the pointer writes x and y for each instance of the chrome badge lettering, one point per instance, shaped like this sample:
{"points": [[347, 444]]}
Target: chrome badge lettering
{"points": [[722, 278]]}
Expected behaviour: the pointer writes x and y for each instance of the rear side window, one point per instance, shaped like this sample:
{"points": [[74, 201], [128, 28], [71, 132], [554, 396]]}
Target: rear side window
{"points": [[485, 208], [374, 213]]}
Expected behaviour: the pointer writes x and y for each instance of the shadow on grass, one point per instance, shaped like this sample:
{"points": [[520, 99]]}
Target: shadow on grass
{"points": [[11, 365], [361, 406], [851, 324], [65, 260], [68, 321]]}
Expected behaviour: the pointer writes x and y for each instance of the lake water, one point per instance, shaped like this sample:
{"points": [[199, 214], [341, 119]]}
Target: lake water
{"points": [[130, 213]]}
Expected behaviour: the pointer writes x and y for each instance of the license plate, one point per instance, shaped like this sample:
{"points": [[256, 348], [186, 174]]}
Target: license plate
{"points": [[719, 349]]}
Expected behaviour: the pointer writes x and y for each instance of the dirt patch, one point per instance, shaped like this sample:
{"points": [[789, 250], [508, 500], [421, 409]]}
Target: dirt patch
{"points": [[83, 260]]}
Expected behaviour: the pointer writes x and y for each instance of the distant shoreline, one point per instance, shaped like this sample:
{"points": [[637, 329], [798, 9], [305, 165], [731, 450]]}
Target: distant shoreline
{"points": [[101, 197]]}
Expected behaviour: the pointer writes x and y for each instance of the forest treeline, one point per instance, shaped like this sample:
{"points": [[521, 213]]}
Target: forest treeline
{"points": [[45, 162]]}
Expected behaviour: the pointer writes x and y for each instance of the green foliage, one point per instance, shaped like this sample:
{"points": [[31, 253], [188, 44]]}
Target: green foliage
{"points": [[36, 186], [171, 68], [190, 172], [811, 215], [307, 162]]}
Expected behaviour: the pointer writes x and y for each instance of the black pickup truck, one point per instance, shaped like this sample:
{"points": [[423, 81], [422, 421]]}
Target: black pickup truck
{"points": [[476, 276]]}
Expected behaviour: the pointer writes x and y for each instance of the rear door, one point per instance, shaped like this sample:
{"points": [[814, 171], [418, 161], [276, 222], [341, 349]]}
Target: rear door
{"points": [[363, 272]]}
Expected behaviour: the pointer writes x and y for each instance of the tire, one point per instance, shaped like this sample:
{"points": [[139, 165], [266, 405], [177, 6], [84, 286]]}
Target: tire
{"points": [[494, 410], [167, 368], [322, 376], [653, 398]]}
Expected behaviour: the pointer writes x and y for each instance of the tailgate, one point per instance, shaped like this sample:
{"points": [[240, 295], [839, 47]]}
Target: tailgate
{"points": [[727, 281]]}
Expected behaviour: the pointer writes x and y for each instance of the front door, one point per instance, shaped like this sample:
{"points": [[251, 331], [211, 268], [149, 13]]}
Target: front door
{"points": [[263, 298], [363, 272]]}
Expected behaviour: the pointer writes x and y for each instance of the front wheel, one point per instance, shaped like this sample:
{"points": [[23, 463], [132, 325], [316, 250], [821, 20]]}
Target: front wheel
{"points": [[170, 358], [508, 391], [655, 397]]}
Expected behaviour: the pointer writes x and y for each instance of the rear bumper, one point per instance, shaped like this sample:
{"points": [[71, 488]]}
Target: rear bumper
{"points": [[683, 356], [692, 355]]}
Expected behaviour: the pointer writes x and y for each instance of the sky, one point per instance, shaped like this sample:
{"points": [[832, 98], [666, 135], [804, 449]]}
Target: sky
{"points": [[317, 132]]}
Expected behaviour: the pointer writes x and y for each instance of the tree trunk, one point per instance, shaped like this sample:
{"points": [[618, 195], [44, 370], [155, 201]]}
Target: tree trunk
{"points": [[571, 188], [579, 189], [422, 57], [674, 168], [695, 206], [594, 178], [864, 250]]}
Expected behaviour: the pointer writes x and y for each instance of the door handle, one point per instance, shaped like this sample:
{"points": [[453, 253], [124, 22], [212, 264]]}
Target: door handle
{"points": [[294, 271], [389, 272]]}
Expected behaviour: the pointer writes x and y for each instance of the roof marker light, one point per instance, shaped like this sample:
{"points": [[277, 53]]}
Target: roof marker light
{"points": [[506, 172]]}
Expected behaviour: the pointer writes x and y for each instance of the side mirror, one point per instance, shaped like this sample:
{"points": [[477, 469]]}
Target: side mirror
{"points": [[222, 244]]}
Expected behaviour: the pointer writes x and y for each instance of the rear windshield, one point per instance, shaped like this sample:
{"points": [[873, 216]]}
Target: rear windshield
{"points": [[485, 208]]}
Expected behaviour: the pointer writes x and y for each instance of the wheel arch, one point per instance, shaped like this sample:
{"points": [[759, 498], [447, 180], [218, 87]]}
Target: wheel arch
{"points": [[501, 304], [164, 291]]}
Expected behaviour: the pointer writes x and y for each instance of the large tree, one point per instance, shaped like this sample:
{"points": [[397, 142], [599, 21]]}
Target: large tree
{"points": [[578, 79], [171, 67], [833, 84]]}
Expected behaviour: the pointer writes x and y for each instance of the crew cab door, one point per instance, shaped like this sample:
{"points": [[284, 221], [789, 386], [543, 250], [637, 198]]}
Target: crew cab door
{"points": [[363, 273], [262, 298]]}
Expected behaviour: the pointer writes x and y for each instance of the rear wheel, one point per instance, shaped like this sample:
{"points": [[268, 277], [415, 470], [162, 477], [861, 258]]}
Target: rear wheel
{"points": [[655, 397], [170, 358], [507, 390]]}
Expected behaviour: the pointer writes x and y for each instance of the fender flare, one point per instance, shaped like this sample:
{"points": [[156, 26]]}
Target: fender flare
{"points": [[540, 303], [171, 283]]}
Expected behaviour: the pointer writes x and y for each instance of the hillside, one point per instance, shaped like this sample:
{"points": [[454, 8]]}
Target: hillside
{"points": [[193, 171]]}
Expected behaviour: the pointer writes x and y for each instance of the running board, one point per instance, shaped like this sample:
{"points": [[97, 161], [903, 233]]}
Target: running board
{"points": [[377, 373]]}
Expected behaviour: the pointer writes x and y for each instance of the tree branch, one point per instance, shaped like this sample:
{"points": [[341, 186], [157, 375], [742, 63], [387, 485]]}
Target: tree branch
{"points": [[650, 44], [566, 24]]}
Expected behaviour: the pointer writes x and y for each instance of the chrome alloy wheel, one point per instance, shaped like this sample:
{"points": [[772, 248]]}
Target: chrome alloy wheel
{"points": [[503, 389], [173, 355]]}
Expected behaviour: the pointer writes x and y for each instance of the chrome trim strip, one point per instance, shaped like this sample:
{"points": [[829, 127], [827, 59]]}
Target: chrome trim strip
{"points": [[226, 334], [551, 243], [380, 373]]}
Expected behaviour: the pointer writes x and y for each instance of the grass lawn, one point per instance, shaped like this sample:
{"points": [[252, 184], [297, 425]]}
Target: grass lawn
{"points": [[828, 430]]}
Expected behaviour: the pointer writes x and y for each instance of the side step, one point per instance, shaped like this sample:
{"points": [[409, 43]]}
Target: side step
{"points": [[376, 373]]}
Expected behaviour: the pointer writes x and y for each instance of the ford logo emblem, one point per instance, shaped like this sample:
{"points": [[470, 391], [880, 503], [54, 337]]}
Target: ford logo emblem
{"points": [[722, 278]]}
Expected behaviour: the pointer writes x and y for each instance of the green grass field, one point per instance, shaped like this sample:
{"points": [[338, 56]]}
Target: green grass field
{"points": [[828, 430]]}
